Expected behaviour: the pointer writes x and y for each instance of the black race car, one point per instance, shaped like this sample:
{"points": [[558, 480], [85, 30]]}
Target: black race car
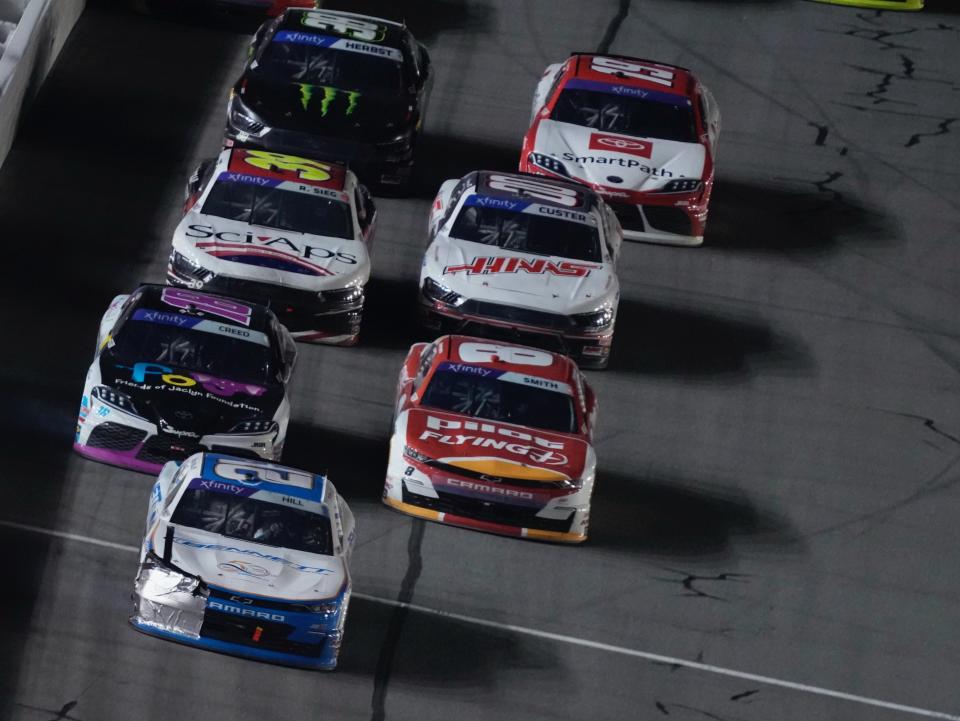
{"points": [[177, 371], [334, 85]]}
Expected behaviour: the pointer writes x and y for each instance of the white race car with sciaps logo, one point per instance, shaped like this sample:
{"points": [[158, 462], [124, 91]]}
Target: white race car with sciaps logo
{"points": [[246, 558], [493, 437], [523, 257], [286, 232], [642, 134]]}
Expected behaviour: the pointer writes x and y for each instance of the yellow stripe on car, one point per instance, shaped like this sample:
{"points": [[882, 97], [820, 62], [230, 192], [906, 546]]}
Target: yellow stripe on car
{"points": [[414, 510], [500, 468], [877, 4]]}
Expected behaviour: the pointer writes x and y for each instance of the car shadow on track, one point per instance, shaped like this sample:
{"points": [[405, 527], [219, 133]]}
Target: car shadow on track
{"points": [[390, 316], [656, 339], [357, 465], [441, 157], [680, 519], [943, 7], [83, 198], [436, 651], [782, 218]]}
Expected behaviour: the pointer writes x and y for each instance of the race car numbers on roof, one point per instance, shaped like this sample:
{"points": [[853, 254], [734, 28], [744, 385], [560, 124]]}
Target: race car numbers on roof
{"points": [[280, 166]]}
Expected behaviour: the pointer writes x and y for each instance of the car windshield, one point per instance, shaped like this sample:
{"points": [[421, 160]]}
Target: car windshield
{"points": [[280, 209], [217, 353], [629, 116], [259, 521], [527, 233], [500, 400], [293, 62]]}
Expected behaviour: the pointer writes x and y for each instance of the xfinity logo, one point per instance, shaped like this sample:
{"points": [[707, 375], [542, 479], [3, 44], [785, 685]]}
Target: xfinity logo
{"points": [[249, 612], [158, 316]]}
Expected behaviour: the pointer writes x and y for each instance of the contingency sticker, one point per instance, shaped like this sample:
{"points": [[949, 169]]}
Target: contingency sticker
{"points": [[335, 43]]}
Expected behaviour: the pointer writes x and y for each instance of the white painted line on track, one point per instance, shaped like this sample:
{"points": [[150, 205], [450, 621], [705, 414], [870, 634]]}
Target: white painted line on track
{"points": [[70, 536], [569, 640]]}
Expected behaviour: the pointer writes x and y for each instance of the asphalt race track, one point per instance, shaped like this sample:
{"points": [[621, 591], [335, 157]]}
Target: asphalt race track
{"points": [[780, 428]]}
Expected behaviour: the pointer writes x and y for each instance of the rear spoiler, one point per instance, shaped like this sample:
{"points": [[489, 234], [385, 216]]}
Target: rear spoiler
{"points": [[628, 57]]}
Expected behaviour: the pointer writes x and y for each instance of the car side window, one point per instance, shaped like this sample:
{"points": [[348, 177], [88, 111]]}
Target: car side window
{"points": [[366, 210], [581, 392], [178, 480], [458, 191], [426, 360], [556, 83]]}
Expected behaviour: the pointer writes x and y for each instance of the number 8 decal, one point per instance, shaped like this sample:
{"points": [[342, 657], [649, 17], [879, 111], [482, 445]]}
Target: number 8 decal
{"points": [[351, 27], [486, 352], [613, 66], [561, 196]]}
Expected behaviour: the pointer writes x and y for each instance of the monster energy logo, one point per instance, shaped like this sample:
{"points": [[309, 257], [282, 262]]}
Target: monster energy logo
{"points": [[330, 94]]}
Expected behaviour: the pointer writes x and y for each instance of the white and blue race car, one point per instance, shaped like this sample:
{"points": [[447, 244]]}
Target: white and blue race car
{"points": [[247, 558]]}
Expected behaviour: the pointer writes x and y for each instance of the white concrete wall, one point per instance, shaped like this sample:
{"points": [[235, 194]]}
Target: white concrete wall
{"points": [[29, 51]]}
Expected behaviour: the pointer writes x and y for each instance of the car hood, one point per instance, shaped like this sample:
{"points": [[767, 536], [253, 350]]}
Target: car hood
{"points": [[286, 258], [254, 568], [211, 404], [326, 110], [600, 158], [549, 283], [500, 450]]}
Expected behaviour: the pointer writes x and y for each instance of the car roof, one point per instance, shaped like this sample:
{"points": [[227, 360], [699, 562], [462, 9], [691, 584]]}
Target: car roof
{"points": [[195, 304], [297, 484], [282, 168], [484, 353], [522, 186], [681, 81], [388, 32]]}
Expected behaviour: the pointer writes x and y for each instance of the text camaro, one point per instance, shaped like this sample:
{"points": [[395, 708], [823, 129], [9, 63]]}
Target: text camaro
{"points": [[523, 257], [493, 437], [334, 85], [642, 134], [177, 371], [247, 558], [290, 233]]}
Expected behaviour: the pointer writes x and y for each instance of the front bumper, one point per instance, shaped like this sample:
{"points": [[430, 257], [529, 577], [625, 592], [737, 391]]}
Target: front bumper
{"points": [[421, 492], [496, 321], [296, 640], [503, 529], [308, 318], [371, 163], [109, 435]]}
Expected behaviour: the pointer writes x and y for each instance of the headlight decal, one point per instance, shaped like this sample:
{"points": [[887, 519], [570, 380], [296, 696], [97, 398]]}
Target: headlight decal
{"points": [[438, 292]]}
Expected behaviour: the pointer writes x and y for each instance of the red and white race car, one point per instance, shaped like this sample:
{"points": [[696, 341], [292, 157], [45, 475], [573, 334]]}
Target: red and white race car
{"points": [[493, 437], [642, 134]]}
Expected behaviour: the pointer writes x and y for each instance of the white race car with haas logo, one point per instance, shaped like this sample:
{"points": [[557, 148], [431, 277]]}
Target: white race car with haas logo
{"points": [[642, 134], [246, 558], [493, 437], [286, 232], [526, 258]]}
